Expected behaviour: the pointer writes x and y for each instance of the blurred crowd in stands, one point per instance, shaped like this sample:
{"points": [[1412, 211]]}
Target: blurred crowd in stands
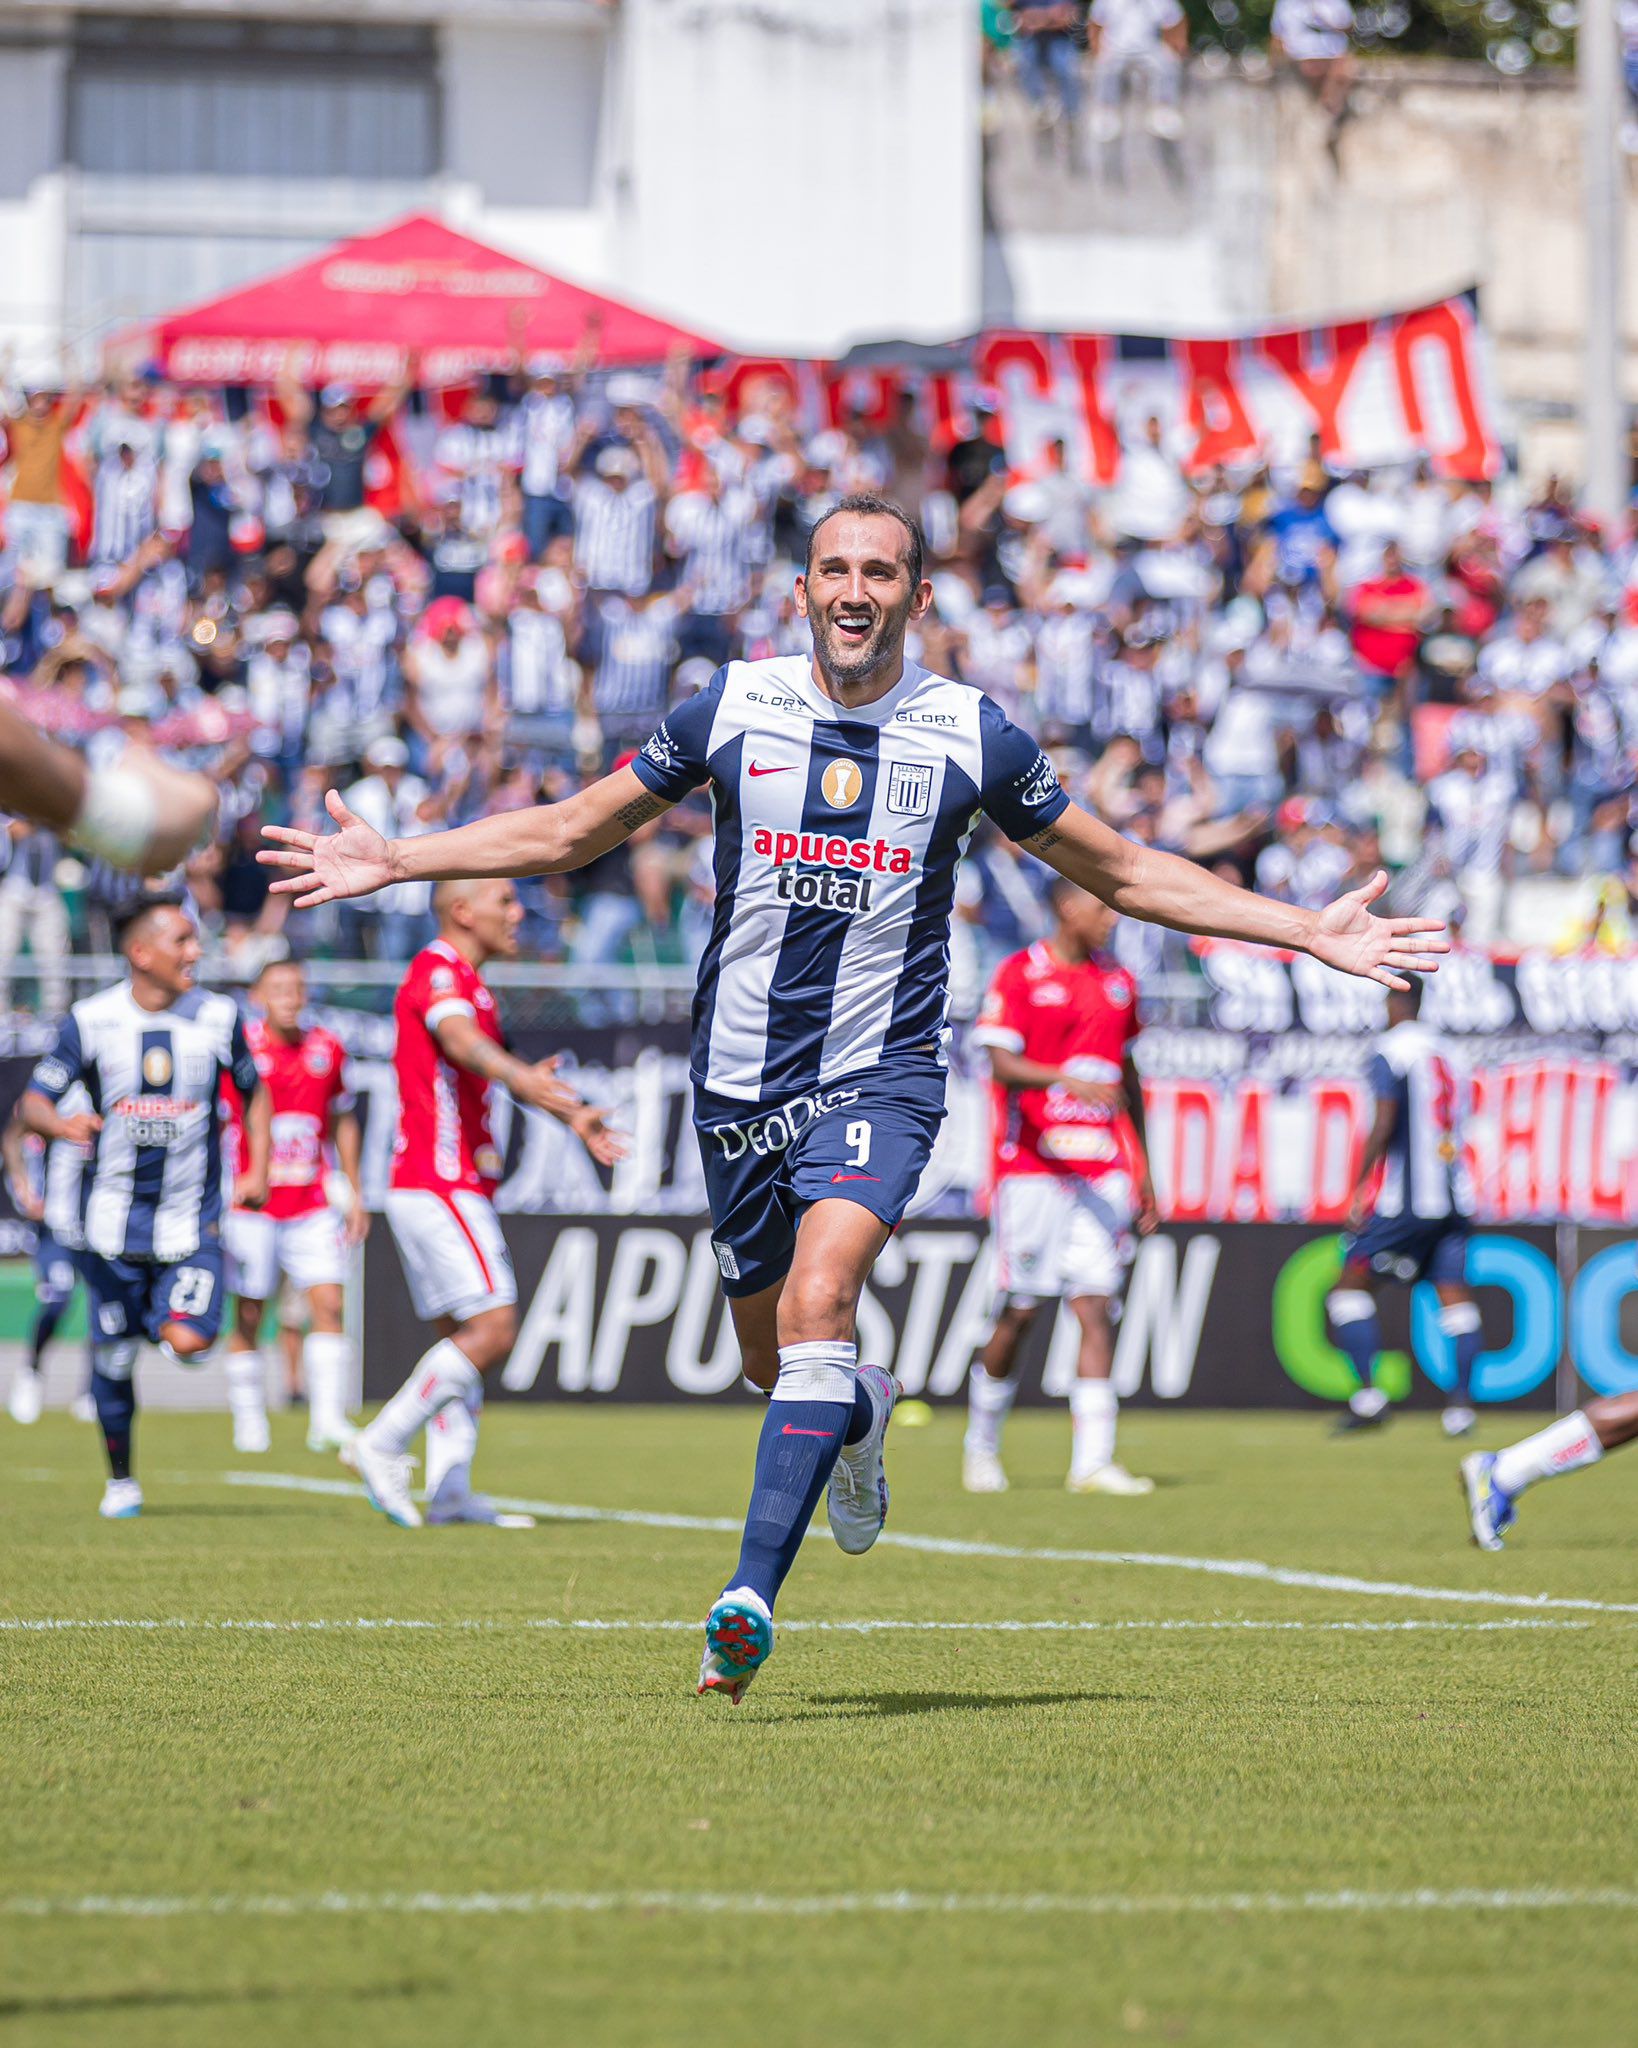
{"points": [[1292, 673], [1086, 67]]}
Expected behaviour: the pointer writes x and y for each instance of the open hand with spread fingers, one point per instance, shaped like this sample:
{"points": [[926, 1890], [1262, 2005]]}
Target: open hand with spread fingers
{"points": [[354, 860], [1383, 949]]}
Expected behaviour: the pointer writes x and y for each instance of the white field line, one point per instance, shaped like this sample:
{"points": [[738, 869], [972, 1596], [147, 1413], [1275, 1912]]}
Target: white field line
{"points": [[69, 1625], [774, 1905], [950, 1546]]}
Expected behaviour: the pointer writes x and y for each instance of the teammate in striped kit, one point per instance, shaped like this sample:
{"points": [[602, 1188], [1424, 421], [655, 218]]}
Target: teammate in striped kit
{"points": [[450, 1051], [1416, 1226], [46, 1183], [845, 789], [151, 1054]]}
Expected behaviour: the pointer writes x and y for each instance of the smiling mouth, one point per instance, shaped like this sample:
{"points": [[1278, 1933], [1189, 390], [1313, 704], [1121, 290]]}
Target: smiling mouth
{"points": [[851, 628]]}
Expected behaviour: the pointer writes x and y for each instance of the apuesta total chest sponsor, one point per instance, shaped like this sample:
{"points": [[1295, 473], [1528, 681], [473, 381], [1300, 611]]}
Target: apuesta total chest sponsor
{"points": [[825, 868]]}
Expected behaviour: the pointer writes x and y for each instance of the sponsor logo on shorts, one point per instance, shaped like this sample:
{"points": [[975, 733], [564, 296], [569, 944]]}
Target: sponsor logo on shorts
{"points": [[778, 1130]]}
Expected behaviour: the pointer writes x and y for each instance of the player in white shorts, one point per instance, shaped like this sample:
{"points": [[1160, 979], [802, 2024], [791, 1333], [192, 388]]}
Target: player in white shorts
{"points": [[297, 1236], [1071, 1179], [450, 1050]]}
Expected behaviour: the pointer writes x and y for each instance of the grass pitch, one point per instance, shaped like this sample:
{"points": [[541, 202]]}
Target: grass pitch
{"points": [[493, 1831]]}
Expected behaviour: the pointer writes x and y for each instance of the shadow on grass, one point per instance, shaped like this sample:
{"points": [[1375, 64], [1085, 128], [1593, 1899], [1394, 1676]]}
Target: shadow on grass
{"points": [[139, 1999], [857, 1705]]}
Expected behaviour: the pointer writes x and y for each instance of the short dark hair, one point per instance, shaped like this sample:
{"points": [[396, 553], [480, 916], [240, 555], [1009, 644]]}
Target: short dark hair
{"points": [[129, 918], [870, 506], [1409, 998]]}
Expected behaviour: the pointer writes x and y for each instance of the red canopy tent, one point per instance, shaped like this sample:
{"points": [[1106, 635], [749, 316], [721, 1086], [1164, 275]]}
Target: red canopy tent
{"points": [[354, 313]]}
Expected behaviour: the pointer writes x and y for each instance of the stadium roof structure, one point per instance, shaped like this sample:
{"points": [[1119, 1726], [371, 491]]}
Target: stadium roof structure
{"points": [[355, 313]]}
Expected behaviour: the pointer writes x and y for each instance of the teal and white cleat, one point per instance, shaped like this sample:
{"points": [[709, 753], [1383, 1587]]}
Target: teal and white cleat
{"points": [[1489, 1511], [856, 1499], [386, 1478], [739, 1638], [121, 1501]]}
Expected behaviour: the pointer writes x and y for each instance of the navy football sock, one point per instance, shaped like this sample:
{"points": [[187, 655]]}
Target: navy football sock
{"points": [[1358, 1332], [45, 1328], [812, 1409], [116, 1412], [1467, 1356], [1460, 1323]]}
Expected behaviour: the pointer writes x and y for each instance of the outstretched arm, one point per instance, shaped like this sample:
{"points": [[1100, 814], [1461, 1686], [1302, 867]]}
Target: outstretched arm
{"points": [[545, 840], [1140, 881], [460, 1040]]}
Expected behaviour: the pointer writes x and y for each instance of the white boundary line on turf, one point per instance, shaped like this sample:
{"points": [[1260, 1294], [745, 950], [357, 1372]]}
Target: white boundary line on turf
{"points": [[950, 1546], [69, 1625], [773, 1905]]}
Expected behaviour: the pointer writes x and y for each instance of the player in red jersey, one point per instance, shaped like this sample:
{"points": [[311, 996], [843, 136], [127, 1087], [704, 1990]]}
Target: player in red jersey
{"points": [[297, 1233], [1071, 1178], [445, 1168]]}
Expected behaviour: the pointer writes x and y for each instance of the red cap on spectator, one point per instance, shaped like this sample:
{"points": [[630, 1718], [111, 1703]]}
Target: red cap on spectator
{"points": [[443, 615], [1292, 814]]}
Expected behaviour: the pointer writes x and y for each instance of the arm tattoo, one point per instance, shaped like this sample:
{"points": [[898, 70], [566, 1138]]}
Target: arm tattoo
{"points": [[638, 812], [1040, 841]]}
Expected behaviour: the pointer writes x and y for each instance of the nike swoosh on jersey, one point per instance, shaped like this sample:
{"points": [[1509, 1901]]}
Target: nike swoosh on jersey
{"points": [[756, 768]]}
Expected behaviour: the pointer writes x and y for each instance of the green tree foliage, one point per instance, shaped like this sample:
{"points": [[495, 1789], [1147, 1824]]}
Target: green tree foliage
{"points": [[1513, 35]]}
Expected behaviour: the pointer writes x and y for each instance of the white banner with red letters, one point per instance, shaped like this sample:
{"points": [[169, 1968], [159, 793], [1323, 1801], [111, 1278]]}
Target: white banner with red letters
{"points": [[1372, 391]]}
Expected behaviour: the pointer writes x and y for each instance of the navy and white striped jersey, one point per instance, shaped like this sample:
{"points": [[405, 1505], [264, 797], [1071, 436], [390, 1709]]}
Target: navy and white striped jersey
{"points": [[614, 534], [716, 539], [838, 832], [1424, 1173], [155, 1079], [632, 649], [122, 510]]}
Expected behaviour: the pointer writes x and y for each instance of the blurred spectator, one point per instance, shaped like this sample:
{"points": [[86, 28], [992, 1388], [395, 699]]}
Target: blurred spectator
{"points": [[1315, 37], [340, 434], [1389, 614], [32, 908], [1137, 46], [1048, 36], [37, 426], [616, 512]]}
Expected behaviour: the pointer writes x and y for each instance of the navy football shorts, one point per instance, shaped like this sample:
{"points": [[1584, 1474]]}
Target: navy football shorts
{"points": [[55, 1272], [864, 1138], [1407, 1248], [133, 1298]]}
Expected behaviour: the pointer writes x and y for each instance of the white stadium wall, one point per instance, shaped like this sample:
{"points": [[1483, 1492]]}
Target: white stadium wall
{"points": [[801, 177]]}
